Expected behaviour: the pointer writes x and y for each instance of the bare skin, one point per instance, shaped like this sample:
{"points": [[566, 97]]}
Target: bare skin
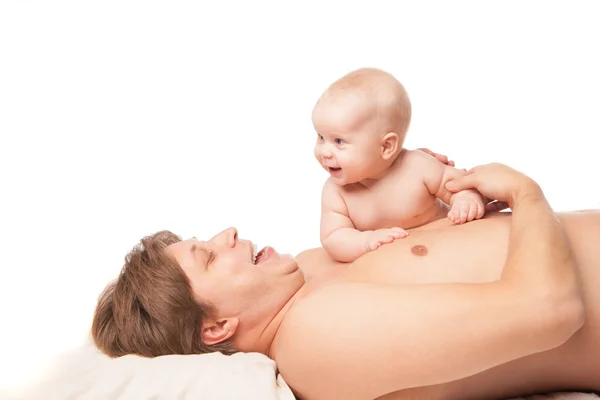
{"points": [[377, 189], [359, 217], [481, 310], [475, 252]]}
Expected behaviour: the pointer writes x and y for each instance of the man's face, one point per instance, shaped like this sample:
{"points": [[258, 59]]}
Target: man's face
{"points": [[225, 273]]}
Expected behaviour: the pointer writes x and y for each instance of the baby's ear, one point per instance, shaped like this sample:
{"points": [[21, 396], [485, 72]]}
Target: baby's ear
{"points": [[390, 145]]}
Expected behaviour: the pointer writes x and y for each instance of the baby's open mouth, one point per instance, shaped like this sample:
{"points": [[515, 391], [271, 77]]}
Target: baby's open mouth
{"points": [[331, 169]]}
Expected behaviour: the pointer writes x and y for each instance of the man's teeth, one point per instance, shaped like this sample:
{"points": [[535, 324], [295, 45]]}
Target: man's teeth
{"points": [[254, 253]]}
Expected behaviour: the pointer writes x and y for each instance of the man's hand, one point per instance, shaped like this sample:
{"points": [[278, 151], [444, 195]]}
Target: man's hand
{"points": [[440, 157], [494, 206], [466, 206], [374, 239], [496, 181]]}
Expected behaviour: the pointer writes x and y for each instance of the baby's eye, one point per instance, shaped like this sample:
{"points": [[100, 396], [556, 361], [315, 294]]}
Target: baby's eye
{"points": [[320, 137], [339, 141]]}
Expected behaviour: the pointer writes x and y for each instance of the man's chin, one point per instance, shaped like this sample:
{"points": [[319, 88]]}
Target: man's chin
{"points": [[289, 263], [286, 261]]}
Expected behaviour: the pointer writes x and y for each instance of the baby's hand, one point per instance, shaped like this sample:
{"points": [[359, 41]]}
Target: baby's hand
{"points": [[466, 206], [374, 239]]}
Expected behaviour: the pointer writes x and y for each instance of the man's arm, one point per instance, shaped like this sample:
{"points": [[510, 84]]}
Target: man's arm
{"points": [[342, 241], [369, 340]]}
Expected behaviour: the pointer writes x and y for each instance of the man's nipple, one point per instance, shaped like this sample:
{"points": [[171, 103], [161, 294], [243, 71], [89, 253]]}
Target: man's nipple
{"points": [[419, 250]]}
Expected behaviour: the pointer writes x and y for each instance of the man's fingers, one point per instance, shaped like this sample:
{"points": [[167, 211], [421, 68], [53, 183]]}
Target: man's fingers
{"points": [[461, 183]]}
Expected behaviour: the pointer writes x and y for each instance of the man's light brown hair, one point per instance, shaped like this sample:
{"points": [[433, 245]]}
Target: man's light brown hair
{"points": [[149, 310]]}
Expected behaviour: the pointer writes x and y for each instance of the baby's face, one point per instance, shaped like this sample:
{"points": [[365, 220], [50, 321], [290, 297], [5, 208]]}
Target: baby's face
{"points": [[347, 145]]}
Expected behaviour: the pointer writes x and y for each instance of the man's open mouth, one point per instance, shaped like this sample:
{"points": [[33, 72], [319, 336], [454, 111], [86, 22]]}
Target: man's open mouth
{"points": [[257, 254]]}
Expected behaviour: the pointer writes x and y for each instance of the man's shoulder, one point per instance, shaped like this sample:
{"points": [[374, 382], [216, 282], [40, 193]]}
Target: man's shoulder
{"points": [[307, 320], [323, 338], [304, 349], [305, 310]]}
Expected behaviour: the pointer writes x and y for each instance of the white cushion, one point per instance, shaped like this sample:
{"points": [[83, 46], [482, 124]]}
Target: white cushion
{"points": [[87, 374]]}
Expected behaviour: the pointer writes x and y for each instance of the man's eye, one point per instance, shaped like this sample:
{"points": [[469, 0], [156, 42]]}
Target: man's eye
{"points": [[211, 257]]}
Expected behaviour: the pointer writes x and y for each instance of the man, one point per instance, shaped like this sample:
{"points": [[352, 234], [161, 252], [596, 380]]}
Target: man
{"points": [[495, 308]]}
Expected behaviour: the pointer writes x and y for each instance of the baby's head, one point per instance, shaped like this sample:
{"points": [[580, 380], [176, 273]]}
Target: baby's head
{"points": [[361, 121]]}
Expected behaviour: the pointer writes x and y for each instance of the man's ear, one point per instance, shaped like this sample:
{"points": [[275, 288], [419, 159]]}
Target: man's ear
{"points": [[390, 145], [214, 332]]}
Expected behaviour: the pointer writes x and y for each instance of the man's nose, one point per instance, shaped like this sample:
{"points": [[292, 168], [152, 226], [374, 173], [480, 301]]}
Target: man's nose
{"points": [[228, 237]]}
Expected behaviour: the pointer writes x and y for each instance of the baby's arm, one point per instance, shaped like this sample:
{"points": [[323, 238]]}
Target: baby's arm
{"points": [[466, 205], [342, 241]]}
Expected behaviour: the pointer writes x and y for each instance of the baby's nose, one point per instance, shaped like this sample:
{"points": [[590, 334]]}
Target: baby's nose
{"points": [[325, 151]]}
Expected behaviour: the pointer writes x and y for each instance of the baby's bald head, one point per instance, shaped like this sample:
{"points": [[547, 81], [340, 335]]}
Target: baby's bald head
{"points": [[366, 95]]}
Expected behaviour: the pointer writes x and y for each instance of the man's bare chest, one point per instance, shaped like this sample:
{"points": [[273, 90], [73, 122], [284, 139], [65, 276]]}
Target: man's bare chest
{"points": [[423, 258]]}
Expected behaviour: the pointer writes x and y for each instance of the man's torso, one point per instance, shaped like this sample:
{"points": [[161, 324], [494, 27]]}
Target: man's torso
{"points": [[476, 252]]}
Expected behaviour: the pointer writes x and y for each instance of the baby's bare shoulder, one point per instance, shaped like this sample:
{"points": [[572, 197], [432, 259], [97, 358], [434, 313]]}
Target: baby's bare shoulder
{"points": [[411, 158], [419, 166], [413, 165]]}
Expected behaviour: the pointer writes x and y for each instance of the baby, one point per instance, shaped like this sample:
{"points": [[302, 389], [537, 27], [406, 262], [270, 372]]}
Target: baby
{"points": [[376, 188]]}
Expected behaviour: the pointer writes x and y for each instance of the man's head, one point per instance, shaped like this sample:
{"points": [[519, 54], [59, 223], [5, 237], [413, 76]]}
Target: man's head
{"points": [[190, 296], [361, 122]]}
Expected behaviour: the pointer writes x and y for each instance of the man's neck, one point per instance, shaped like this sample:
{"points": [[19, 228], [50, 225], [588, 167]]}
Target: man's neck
{"points": [[271, 350], [263, 338], [317, 273], [318, 270]]}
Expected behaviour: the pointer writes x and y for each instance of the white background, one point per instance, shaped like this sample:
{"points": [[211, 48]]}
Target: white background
{"points": [[121, 118]]}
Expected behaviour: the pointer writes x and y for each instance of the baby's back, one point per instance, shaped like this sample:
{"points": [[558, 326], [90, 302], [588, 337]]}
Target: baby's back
{"points": [[399, 199]]}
